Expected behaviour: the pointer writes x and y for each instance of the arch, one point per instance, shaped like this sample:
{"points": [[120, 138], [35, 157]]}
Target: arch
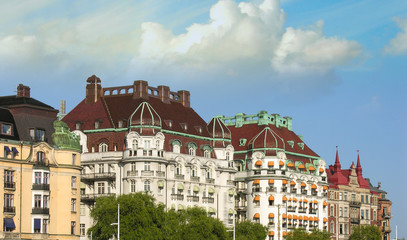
{"points": [[103, 147]]}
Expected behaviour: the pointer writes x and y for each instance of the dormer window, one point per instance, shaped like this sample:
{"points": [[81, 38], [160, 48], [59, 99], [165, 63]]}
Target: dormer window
{"points": [[192, 149], [97, 124], [103, 147], [207, 154], [37, 134], [120, 124], [78, 126], [184, 126], [242, 141], [291, 143], [6, 129], [301, 145]]}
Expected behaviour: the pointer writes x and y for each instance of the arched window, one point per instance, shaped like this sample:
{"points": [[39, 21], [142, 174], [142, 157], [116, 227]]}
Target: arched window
{"points": [[209, 173], [191, 151], [157, 146], [227, 155], [133, 186], [147, 185], [176, 149], [207, 154], [194, 171], [103, 147], [178, 169], [135, 144]]}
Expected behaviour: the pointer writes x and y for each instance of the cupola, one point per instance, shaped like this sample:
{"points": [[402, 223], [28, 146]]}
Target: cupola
{"points": [[218, 131], [268, 141], [145, 119]]}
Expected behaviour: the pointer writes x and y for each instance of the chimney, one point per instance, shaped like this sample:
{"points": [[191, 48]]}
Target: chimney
{"points": [[140, 89], [164, 92], [184, 98], [93, 89], [23, 91]]}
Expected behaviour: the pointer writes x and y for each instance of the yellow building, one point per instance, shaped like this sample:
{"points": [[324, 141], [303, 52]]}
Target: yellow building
{"points": [[40, 163]]}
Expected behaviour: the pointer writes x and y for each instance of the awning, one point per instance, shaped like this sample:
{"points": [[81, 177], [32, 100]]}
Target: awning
{"points": [[289, 216], [301, 166], [284, 181], [160, 184], [305, 218], [211, 190], [321, 170], [294, 199], [316, 219], [231, 211], [284, 198], [9, 223], [211, 210], [37, 223], [284, 215], [14, 150], [325, 203], [311, 168], [173, 206], [196, 189], [325, 220], [181, 207], [281, 163], [256, 198], [314, 186], [271, 198], [303, 184], [180, 186], [284, 234], [325, 187], [290, 164], [305, 200], [270, 164], [300, 200], [256, 216], [300, 218], [231, 192], [295, 217], [7, 149], [271, 215], [315, 201], [271, 181], [271, 233], [256, 181], [259, 163], [311, 219], [292, 183]]}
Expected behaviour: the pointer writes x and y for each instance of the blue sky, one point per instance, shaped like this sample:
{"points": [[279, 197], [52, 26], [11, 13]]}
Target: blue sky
{"points": [[337, 67]]}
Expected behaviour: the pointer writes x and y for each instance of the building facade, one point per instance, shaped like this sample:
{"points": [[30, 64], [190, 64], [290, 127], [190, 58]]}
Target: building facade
{"points": [[384, 211], [140, 138], [281, 183], [351, 201], [40, 163]]}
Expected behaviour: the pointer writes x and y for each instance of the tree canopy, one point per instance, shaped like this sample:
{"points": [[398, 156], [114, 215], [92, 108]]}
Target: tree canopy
{"points": [[365, 233], [301, 234], [247, 230]]}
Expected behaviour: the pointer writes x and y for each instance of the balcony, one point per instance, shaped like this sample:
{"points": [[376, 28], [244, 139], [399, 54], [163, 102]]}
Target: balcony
{"points": [[386, 216], [10, 235], [313, 211], [230, 182], [284, 189], [40, 186], [291, 209], [132, 173], [208, 200], [210, 180], [302, 210], [179, 176], [191, 198], [256, 189], [98, 176], [303, 191], [40, 210], [10, 186], [91, 197], [147, 173], [160, 173], [9, 210], [194, 179], [386, 229], [355, 204], [178, 197], [294, 190], [271, 171], [270, 189], [355, 220]]}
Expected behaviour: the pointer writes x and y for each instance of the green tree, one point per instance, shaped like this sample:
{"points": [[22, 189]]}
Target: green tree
{"points": [[301, 234], [365, 233], [247, 230]]}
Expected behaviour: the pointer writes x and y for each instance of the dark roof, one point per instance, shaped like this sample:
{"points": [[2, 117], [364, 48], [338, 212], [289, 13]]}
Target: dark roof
{"points": [[7, 101], [7, 117]]}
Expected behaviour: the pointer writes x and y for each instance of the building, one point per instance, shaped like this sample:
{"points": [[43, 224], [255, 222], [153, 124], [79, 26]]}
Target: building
{"points": [[141, 138], [351, 201], [384, 211], [40, 161], [281, 183]]}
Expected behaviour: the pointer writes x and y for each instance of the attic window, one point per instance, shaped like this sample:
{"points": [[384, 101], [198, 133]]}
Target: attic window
{"points": [[168, 123], [198, 129], [78, 126], [291, 143], [301, 145], [6, 129], [120, 124], [184, 126], [242, 141], [97, 124]]}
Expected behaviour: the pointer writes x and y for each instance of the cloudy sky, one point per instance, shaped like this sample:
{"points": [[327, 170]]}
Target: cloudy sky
{"points": [[337, 67]]}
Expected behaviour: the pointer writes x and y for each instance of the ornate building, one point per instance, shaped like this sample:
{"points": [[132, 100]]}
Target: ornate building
{"points": [[281, 183], [351, 200], [141, 138], [40, 163], [384, 211]]}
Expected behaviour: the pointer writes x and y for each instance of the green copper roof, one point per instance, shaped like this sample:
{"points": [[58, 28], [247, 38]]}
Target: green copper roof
{"points": [[63, 138]]}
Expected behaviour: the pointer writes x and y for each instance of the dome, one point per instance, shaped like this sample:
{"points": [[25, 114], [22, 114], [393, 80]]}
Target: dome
{"points": [[145, 116], [217, 129], [267, 140]]}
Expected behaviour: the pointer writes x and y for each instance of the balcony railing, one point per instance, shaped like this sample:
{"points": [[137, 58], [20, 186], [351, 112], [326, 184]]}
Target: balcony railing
{"points": [[270, 189], [210, 180], [147, 173], [9, 210], [208, 200], [230, 182], [10, 185], [40, 210], [132, 173], [386, 216], [179, 176], [40, 186], [302, 210], [386, 229], [191, 198], [313, 210], [160, 173], [91, 197], [271, 171], [291, 209], [355, 204], [194, 179], [256, 189], [355, 220], [98, 176], [314, 193], [178, 197]]}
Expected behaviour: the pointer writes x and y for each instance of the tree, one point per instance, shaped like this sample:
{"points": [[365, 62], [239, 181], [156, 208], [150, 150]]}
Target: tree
{"points": [[302, 234], [368, 232], [247, 230]]}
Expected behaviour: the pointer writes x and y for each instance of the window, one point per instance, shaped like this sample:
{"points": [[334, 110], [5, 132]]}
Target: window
{"points": [[133, 186], [209, 174], [120, 125], [133, 166], [82, 229], [191, 151], [147, 186], [45, 226], [101, 188], [332, 227], [147, 166], [103, 147], [6, 129], [346, 212], [227, 155], [37, 201], [345, 196], [340, 212], [8, 177], [374, 215], [176, 148], [346, 228], [8, 201], [178, 170], [340, 196], [147, 144], [73, 205], [362, 214], [332, 211], [97, 124], [341, 228], [362, 198], [101, 168], [37, 134], [207, 154], [78, 126], [73, 182], [37, 225], [353, 197], [73, 225], [157, 145], [367, 214], [367, 198], [45, 204], [38, 176], [82, 209], [40, 158], [194, 171], [46, 178], [73, 159]]}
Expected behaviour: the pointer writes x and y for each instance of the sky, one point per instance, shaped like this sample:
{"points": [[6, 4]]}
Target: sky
{"points": [[337, 67]]}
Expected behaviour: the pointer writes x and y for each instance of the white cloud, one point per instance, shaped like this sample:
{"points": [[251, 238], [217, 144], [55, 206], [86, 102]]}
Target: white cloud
{"points": [[398, 45]]}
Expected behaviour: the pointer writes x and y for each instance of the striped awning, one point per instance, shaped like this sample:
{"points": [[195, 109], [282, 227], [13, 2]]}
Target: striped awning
{"points": [[271, 181], [256, 181], [271, 233], [314, 186], [271, 198]]}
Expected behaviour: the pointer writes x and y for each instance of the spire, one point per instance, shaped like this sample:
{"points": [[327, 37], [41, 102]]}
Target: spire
{"points": [[337, 165], [353, 165], [358, 166]]}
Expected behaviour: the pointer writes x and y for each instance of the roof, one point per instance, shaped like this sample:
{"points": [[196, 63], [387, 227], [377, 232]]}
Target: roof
{"points": [[7, 101], [7, 117]]}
